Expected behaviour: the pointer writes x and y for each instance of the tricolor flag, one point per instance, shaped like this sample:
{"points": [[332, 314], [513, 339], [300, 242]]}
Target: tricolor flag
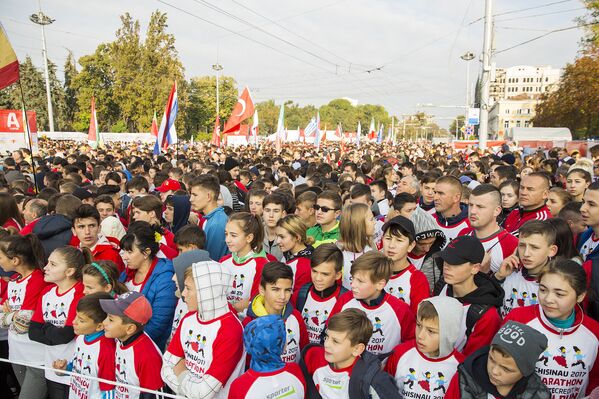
{"points": [[317, 140], [167, 135], [310, 128], [93, 135], [9, 65], [358, 134], [255, 128], [280, 129]]}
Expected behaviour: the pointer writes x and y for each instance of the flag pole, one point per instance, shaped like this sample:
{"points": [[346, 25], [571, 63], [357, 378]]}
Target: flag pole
{"points": [[26, 120]]}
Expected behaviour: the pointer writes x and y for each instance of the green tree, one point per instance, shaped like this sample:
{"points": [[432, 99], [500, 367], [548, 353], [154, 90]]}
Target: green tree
{"points": [[575, 104], [70, 93], [591, 38], [268, 115], [460, 122], [34, 91], [201, 111]]}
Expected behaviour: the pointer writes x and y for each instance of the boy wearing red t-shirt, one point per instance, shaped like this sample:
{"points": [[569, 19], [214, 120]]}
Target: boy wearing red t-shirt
{"points": [[138, 359], [392, 319], [343, 368], [407, 283]]}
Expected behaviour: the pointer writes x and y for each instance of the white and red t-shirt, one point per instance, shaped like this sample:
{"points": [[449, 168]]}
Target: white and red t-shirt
{"points": [[24, 294], [138, 363], [392, 320], [416, 260], [296, 337], [410, 285], [568, 366], [451, 231], [180, 312], [246, 277], [331, 383], [518, 217], [483, 331], [499, 245], [58, 310], [107, 250], [316, 312], [287, 383], [417, 375], [589, 245], [212, 348], [96, 359], [302, 273], [348, 259], [520, 291]]}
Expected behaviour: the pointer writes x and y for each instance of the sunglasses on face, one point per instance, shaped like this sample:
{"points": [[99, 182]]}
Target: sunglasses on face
{"points": [[325, 209]]}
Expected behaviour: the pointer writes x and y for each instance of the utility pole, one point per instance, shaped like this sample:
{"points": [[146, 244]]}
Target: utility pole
{"points": [[217, 67], [483, 129], [42, 19], [468, 56]]}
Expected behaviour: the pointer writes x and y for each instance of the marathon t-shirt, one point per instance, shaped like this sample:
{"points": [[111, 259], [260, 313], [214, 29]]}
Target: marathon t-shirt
{"points": [[245, 279], [316, 312], [568, 366], [410, 285], [417, 375], [180, 312], [138, 363], [416, 260], [331, 383], [451, 231], [96, 359], [287, 383], [58, 310], [212, 348], [392, 320], [520, 290], [499, 245], [348, 259], [23, 294]]}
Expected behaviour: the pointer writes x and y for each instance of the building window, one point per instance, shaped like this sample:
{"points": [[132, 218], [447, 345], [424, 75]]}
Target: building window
{"points": [[526, 123], [518, 123], [506, 124]]}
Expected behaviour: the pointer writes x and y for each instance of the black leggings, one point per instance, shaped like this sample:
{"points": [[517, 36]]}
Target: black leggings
{"points": [[57, 390]]}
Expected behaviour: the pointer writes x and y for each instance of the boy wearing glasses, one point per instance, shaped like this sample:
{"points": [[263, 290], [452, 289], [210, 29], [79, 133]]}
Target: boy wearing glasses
{"points": [[328, 209]]}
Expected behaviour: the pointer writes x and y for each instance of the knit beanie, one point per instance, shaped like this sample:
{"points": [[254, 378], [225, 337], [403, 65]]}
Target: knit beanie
{"points": [[523, 343], [230, 163], [426, 226]]}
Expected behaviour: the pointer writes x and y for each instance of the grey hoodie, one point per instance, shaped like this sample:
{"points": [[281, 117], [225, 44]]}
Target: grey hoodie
{"points": [[427, 227], [450, 312]]}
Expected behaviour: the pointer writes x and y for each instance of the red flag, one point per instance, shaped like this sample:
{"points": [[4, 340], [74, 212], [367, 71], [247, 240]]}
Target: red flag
{"points": [[242, 111], [154, 129], [216, 133], [9, 65]]}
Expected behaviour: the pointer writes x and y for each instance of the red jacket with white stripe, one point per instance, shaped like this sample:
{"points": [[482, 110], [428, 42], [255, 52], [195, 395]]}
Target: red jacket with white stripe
{"points": [[519, 216]]}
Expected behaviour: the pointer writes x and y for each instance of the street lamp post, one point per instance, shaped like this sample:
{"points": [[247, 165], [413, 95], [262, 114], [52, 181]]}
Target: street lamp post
{"points": [[217, 67], [468, 56], [42, 19]]}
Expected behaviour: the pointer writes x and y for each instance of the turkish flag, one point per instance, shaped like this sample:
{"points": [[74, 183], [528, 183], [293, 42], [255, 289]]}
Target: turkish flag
{"points": [[242, 111]]}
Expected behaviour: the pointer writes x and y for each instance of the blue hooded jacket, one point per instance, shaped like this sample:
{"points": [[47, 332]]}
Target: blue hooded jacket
{"points": [[159, 290], [264, 340], [214, 227], [182, 207]]}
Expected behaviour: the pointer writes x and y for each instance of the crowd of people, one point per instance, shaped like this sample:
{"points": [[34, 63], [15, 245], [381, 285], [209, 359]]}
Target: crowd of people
{"points": [[375, 271]]}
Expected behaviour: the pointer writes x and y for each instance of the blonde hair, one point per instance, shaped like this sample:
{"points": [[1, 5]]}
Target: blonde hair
{"points": [[295, 226], [352, 228]]}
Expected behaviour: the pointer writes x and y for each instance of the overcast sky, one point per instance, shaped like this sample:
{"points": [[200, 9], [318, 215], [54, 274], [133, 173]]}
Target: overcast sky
{"points": [[312, 51]]}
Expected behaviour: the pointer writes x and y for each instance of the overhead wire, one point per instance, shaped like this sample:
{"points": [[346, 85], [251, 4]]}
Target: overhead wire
{"points": [[543, 35], [522, 10]]}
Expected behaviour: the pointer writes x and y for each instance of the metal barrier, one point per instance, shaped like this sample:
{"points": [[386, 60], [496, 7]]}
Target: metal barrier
{"points": [[158, 394]]}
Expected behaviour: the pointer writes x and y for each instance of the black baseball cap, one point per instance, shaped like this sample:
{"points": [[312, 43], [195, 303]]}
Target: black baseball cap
{"points": [[463, 249], [402, 222]]}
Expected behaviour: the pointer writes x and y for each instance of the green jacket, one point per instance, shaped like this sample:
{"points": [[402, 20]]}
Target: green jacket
{"points": [[321, 237]]}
